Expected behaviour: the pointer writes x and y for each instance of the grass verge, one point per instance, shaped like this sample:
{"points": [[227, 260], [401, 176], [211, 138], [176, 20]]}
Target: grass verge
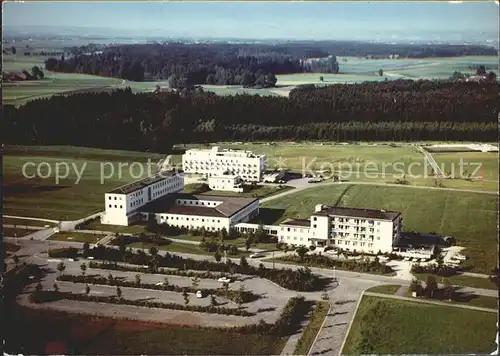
{"points": [[311, 330]]}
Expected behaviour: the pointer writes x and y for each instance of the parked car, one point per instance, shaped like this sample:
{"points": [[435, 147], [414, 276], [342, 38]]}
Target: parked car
{"points": [[90, 258], [199, 294], [159, 284], [71, 259], [256, 255], [224, 280]]}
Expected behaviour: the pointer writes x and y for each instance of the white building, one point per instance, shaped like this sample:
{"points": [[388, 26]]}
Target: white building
{"points": [[361, 230], [231, 183], [195, 211], [123, 203], [217, 161]]}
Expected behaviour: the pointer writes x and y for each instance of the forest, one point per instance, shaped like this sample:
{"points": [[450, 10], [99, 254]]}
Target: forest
{"points": [[376, 111], [250, 65]]}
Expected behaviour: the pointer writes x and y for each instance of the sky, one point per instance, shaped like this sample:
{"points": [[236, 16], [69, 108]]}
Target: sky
{"points": [[262, 20]]}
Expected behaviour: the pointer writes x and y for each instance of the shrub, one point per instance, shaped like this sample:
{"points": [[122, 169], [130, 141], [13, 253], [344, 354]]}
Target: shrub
{"points": [[64, 252]]}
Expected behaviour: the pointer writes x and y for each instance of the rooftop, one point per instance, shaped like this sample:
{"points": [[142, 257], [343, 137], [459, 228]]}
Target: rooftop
{"points": [[228, 207], [297, 222], [359, 213], [139, 184]]}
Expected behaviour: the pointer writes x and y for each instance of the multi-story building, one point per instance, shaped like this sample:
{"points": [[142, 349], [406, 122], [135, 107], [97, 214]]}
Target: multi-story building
{"points": [[231, 183], [217, 161], [361, 230], [195, 211], [123, 203]]}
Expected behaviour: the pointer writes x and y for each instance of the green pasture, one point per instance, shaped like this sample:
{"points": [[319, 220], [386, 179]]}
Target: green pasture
{"points": [[470, 217], [417, 328]]}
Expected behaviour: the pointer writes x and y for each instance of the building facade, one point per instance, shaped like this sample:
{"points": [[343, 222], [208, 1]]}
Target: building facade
{"points": [[230, 183], [216, 162], [360, 230], [189, 211], [123, 204]]}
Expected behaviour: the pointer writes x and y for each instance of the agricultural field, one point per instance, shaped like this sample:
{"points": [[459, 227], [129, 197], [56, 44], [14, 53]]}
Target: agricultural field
{"points": [[70, 198], [450, 163], [418, 328], [470, 217], [354, 70]]}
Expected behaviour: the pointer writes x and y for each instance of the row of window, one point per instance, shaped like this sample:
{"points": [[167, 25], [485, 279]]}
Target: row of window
{"points": [[353, 243], [111, 198], [223, 163], [196, 202], [294, 229], [351, 221], [116, 206], [164, 218]]}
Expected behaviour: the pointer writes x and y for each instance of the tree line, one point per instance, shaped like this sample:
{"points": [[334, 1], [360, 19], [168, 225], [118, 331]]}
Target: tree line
{"points": [[387, 111]]}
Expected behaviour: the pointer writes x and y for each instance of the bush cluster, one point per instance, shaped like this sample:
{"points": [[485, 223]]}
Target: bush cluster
{"points": [[64, 252], [441, 271], [322, 261], [234, 295], [50, 296]]}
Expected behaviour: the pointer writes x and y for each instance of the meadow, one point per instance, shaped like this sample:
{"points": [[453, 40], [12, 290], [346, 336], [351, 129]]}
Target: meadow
{"points": [[353, 70], [69, 198], [470, 217], [417, 328]]}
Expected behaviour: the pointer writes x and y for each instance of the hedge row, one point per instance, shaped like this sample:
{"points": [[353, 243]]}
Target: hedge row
{"points": [[50, 296], [234, 295]]}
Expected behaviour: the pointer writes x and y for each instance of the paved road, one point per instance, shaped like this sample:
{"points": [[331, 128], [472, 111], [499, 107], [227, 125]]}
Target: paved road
{"points": [[426, 301], [25, 227]]}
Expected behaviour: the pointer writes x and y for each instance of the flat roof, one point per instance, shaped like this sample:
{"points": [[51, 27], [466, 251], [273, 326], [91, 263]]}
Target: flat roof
{"points": [[297, 222], [139, 184], [228, 207], [359, 213]]}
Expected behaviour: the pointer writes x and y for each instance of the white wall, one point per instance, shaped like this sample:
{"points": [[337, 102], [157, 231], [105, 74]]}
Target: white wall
{"points": [[194, 221], [225, 183], [294, 235], [213, 163]]}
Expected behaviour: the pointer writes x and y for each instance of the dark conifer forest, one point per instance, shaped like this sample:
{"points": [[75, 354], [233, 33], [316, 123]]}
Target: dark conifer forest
{"points": [[376, 111]]}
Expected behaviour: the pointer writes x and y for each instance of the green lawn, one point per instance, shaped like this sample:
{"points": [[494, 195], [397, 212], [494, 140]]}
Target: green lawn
{"points": [[450, 162], [76, 237], [239, 242], [258, 192], [26, 222], [96, 225], [418, 329], [311, 330], [13, 232], [63, 200], [385, 289], [471, 218]]}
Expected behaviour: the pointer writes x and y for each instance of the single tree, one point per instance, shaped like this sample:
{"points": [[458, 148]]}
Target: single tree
{"points": [[83, 267], [380, 72], [165, 281], [16, 259], [213, 301], [119, 292], [110, 279], [56, 287], [39, 287], [223, 234], [185, 295], [481, 70], [195, 282], [243, 261], [153, 251], [225, 288], [248, 244], [239, 296], [61, 267], [430, 286], [321, 79], [325, 297], [86, 249], [217, 256], [301, 252], [138, 279], [439, 260], [492, 77], [87, 289]]}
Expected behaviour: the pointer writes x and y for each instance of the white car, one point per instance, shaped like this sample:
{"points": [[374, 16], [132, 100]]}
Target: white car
{"points": [[159, 284], [256, 255], [224, 280], [72, 259], [90, 258], [199, 294]]}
